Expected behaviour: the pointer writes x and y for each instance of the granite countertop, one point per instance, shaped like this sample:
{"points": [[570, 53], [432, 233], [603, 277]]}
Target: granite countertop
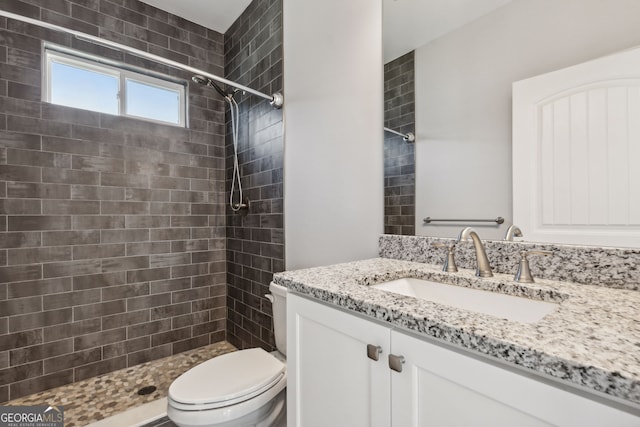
{"points": [[591, 339]]}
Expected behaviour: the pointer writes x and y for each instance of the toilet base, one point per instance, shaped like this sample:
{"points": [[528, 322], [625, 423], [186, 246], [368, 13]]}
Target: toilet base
{"points": [[271, 414]]}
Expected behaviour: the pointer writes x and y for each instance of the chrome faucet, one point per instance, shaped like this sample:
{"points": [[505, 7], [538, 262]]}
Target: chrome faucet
{"points": [[513, 231], [483, 268]]}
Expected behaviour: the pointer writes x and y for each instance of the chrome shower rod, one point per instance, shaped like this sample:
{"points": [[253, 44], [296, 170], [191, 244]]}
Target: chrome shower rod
{"points": [[277, 100], [407, 137]]}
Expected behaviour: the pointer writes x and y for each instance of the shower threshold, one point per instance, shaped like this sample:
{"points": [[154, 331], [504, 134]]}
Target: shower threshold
{"points": [[98, 398]]}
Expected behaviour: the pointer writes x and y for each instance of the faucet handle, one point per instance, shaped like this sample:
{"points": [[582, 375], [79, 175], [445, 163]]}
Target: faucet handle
{"points": [[450, 261], [523, 275]]}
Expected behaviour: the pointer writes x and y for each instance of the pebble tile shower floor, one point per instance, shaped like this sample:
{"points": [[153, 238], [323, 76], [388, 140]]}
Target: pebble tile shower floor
{"points": [[100, 397]]}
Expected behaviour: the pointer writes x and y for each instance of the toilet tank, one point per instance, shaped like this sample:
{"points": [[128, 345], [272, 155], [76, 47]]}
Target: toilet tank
{"points": [[278, 298]]}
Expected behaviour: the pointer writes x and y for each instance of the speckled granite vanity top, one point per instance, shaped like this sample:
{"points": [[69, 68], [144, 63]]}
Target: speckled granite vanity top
{"points": [[592, 339]]}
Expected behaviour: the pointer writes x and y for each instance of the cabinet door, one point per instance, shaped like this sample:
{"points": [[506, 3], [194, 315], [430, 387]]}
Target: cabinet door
{"points": [[331, 380], [441, 387]]}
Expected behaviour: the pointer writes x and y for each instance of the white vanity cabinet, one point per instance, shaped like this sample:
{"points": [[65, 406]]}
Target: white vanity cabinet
{"points": [[442, 387], [332, 381]]}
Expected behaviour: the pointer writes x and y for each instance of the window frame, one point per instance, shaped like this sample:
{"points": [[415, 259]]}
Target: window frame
{"points": [[115, 69]]}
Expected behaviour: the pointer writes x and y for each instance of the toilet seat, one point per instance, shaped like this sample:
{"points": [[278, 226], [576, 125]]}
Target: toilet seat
{"points": [[228, 380]]}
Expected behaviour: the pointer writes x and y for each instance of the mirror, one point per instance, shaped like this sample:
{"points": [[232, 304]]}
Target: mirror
{"points": [[466, 54]]}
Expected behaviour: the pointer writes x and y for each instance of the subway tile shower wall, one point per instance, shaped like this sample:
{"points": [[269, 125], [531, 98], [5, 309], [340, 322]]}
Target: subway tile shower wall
{"points": [[255, 244], [399, 156], [112, 235]]}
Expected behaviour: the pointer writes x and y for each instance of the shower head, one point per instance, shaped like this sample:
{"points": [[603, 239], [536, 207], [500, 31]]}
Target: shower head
{"points": [[202, 80]]}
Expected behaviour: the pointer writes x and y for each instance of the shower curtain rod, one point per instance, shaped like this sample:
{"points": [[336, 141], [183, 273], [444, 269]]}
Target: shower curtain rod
{"points": [[276, 100], [407, 137]]}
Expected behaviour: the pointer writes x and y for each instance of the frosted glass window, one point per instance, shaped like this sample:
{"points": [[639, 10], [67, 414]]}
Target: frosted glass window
{"points": [[100, 85], [152, 101]]}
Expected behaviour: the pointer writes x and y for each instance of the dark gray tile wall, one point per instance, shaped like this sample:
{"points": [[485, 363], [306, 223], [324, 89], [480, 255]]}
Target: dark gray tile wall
{"points": [[399, 156], [255, 243], [112, 230]]}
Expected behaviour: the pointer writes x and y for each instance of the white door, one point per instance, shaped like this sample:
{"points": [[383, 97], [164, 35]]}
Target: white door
{"points": [[441, 387], [576, 150], [331, 380]]}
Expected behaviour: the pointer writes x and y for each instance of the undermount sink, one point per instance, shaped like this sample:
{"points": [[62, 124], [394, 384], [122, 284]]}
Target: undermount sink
{"points": [[494, 304]]}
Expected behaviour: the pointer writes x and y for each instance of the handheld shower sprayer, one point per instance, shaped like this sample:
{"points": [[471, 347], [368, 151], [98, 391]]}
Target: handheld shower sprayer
{"points": [[201, 80], [235, 118]]}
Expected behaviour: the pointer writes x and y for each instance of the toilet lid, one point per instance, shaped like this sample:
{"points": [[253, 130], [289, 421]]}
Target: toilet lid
{"points": [[231, 376]]}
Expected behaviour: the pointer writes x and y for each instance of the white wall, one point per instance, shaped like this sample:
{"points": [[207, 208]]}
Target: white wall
{"points": [[463, 98], [333, 170]]}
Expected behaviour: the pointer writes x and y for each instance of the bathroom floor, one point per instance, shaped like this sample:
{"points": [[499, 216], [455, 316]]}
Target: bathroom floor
{"points": [[100, 397]]}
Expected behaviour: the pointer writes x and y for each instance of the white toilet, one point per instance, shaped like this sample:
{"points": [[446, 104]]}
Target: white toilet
{"points": [[243, 388]]}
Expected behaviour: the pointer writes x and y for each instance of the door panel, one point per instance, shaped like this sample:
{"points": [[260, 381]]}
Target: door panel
{"points": [[576, 141]]}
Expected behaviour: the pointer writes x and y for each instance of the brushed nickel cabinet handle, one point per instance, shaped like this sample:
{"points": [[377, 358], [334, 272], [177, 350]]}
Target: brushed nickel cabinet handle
{"points": [[373, 352], [396, 362]]}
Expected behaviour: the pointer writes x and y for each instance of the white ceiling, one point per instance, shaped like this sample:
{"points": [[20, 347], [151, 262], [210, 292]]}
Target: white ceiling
{"points": [[215, 14], [408, 24]]}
